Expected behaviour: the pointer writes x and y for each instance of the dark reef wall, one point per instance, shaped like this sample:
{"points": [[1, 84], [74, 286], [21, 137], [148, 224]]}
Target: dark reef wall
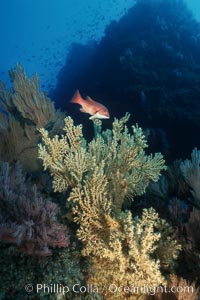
{"points": [[148, 63]]}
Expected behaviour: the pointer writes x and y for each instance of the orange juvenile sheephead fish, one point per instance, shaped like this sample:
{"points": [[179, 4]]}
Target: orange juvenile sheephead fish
{"points": [[89, 106]]}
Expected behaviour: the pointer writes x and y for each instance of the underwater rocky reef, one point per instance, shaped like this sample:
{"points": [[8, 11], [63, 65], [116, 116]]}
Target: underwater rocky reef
{"points": [[148, 64], [88, 208], [97, 219]]}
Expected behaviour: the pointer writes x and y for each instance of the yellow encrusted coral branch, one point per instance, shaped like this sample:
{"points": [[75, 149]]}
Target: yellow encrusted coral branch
{"points": [[29, 101], [25, 109], [100, 175], [126, 167]]}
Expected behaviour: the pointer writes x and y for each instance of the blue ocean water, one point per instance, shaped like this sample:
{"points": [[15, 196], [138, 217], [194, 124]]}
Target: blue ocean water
{"points": [[38, 34]]}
